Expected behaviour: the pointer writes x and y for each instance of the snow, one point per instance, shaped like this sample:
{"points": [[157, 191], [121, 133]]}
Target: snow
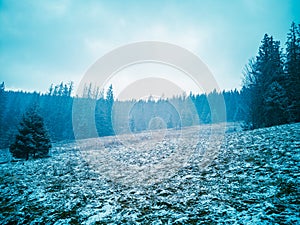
{"points": [[193, 176]]}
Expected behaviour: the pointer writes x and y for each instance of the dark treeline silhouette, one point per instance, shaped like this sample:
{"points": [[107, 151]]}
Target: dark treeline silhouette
{"points": [[111, 116], [272, 82], [177, 112]]}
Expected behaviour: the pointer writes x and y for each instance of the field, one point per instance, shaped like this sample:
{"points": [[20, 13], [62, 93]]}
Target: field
{"points": [[199, 175]]}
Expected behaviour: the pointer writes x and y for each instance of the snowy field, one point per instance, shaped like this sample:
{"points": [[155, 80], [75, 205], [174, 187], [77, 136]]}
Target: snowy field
{"points": [[199, 175]]}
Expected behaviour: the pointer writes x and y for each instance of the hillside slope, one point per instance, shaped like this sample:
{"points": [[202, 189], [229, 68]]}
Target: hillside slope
{"points": [[251, 178]]}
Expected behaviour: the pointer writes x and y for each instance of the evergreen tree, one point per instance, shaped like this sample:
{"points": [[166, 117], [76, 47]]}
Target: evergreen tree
{"points": [[103, 113], [101, 118], [131, 125], [2, 110], [292, 68], [276, 102], [260, 76], [2, 99], [110, 102], [32, 138], [170, 122], [58, 108]]}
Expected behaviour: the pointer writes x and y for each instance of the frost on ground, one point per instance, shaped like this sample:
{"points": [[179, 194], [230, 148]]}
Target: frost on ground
{"points": [[253, 178]]}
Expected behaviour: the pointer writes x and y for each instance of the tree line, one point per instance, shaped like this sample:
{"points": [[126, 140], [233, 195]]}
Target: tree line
{"points": [[177, 112], [111, 116]]}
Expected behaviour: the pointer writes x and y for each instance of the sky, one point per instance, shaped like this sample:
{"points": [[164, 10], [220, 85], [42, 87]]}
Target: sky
{"points": [[44, 42]]}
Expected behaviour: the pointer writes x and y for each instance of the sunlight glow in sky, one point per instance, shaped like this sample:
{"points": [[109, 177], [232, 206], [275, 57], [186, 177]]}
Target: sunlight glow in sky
{"points": [[44, 42]]}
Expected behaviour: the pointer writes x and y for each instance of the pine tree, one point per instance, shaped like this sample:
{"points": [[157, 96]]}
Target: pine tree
{"points": [[32, 138], [292, 67]]}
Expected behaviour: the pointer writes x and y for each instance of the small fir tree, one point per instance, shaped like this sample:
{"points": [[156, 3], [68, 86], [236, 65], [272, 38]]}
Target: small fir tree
{"points": [[32, 139]]}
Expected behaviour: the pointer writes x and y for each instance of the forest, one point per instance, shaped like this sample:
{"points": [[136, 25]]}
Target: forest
{"points": [[112, 116]]}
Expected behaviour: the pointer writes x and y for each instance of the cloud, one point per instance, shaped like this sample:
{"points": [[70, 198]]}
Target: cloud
{"points": [[64, 38]]}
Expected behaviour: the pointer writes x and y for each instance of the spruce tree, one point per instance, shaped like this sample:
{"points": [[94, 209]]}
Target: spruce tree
{"points": [[32, 139], [264, 75], [2, 111], [292, 67], [2, 100], [275, 104], [110, 102]]}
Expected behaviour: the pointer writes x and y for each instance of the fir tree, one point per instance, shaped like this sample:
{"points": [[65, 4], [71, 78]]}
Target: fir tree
{"points": [[110, 102], [2, 100], [2, 111], [131, 125], [170, 122], [32, 138], [292, 67], [260, 76], [276, 103]]}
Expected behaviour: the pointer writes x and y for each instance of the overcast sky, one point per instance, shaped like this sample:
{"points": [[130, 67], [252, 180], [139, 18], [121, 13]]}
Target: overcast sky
{"points": [[44, 42]]}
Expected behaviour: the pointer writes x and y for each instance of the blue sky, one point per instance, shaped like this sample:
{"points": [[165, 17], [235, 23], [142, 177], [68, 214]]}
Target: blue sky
{"points": [[44, 42]]}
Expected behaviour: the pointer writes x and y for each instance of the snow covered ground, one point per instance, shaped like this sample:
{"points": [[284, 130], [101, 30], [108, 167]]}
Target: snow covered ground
{"points": [[199, 175]]}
